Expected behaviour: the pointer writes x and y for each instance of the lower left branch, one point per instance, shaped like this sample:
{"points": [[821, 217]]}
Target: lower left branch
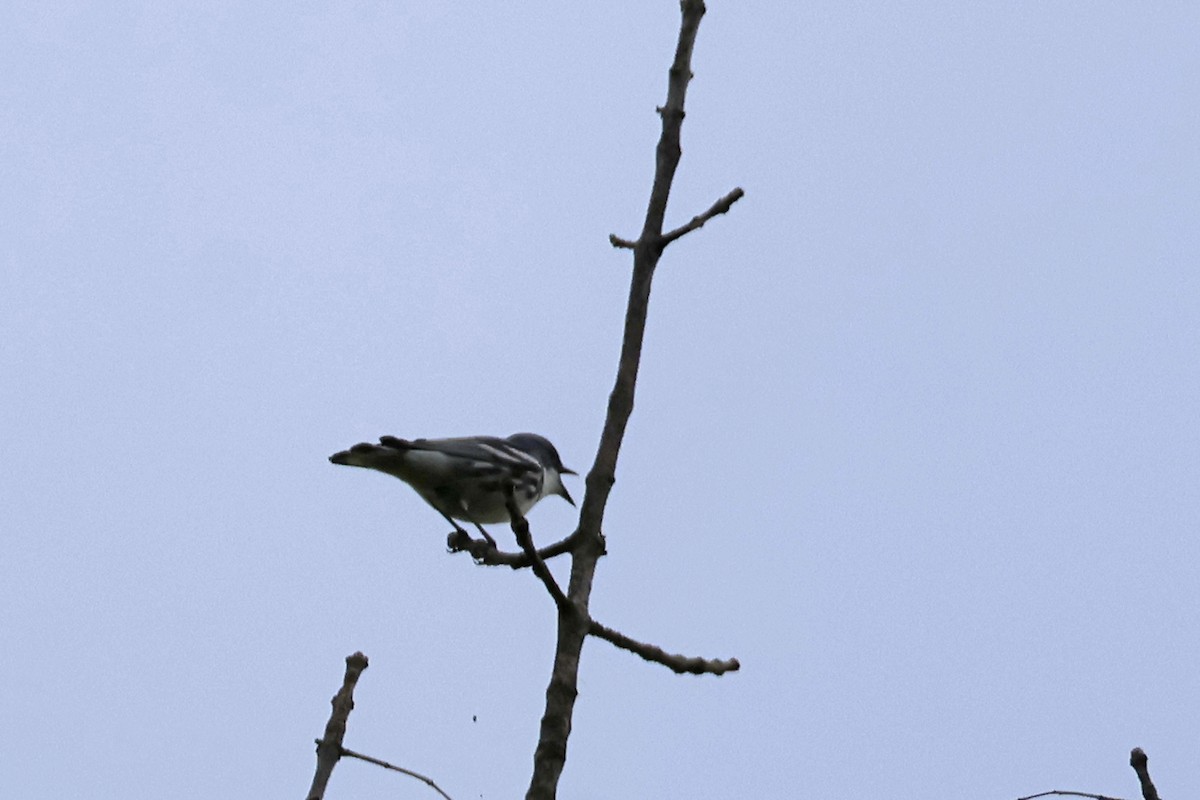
{"points": [[330, 749]]}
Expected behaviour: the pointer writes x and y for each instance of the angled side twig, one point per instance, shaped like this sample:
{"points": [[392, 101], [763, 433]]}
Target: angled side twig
{"points": [[381, 763], [693, 665], [520, 527], [722, 206]]}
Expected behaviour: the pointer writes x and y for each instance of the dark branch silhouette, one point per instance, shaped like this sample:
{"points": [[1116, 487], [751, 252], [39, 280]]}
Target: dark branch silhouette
{"points": [[722, 206], [381, 763], [329, 748], [486, 554], [677, 663], [520, 527], [1061, 793], [551, 752], [587, 544], [1138, 760]]}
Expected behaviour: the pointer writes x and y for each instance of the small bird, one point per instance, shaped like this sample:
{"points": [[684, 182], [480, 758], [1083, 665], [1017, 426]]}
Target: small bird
{"points": [[466, 478]]}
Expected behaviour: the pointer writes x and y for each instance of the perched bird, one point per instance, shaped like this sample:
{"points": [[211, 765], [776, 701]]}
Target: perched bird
{"points": [[466, 478]]}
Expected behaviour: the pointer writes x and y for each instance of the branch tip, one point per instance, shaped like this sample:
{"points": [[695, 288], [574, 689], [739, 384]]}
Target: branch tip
{"points": [[329, 747], [1139, 761], [679, 664], [722, 206]]}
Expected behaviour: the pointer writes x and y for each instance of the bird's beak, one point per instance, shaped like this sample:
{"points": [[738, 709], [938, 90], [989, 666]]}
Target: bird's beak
{"points": [[562, 490]]}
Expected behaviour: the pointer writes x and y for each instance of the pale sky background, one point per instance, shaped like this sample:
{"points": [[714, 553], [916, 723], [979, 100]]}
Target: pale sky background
{"points": [[916, 436]]}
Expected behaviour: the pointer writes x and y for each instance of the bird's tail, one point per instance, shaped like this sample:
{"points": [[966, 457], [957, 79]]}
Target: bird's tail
{"points": [[369, 455]]}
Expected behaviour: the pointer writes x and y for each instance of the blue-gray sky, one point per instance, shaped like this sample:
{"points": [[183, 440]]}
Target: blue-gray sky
{"points": [[916, 436]]}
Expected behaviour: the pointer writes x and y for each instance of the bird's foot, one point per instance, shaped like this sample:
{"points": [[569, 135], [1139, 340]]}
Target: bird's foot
{"points": [[459, 540]]}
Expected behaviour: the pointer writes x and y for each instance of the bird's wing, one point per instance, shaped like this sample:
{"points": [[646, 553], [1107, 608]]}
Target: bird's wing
{"points": [[432, 463], [485, 451]]}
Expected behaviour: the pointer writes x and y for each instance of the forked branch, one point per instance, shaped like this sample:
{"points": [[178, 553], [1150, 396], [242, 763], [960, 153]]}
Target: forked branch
{"points": [[722, 206], [329, 748], [573, 629]]}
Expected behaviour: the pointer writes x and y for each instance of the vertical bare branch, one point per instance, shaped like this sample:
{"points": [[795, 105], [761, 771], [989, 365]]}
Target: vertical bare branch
{"points": [[329, 748], [646, 253], [551, 750], [1139, 761]]}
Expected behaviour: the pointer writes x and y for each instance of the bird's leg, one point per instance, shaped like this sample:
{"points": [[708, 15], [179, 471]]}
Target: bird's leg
{"points": [[458, 539], [486, 535]]}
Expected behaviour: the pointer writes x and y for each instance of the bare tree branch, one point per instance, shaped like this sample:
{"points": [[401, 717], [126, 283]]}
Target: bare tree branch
{"points": [[1062, 793], [720, 207], [520, 527], [380, 763], [329, 748], [551, 752], [677, 663], [1138, 760], [486, 554]]}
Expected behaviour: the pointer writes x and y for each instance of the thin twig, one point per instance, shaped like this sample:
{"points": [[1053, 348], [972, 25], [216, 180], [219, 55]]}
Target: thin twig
{"points": [[485, 554], [520, 527], [380, 763], [1062, 793], [329, 748], [1139, 760], [720, 207], [677, 663]]}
